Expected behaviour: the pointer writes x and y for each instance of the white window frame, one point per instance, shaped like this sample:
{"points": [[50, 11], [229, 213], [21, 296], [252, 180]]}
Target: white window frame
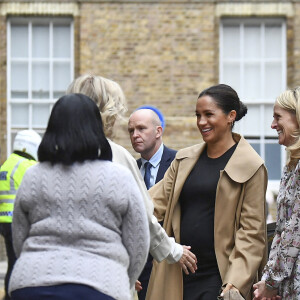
{"points": [[241, 22], [29, 21]]}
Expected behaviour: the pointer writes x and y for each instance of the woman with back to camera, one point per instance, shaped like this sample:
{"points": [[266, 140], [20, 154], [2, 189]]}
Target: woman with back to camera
{"points": [[80, 228], [213, 198], [281, 275], [111, 102]]}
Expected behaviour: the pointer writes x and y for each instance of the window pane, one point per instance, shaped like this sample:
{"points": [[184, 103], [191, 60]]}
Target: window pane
{"points": [[19, 80], [273, 80], [256, 147], [237, 127], [231, 40], [40, 115], [40, 41], [252, 81], [259, 77], [36, 69], [19, 41], [231, 75], [61, 78], [40, 80], [273, 161], [19, 115], [251, 121], [273, 45], [62, 41], [268, 121], [252, 42], [13, 135]]}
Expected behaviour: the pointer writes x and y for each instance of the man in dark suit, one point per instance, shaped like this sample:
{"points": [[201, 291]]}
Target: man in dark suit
{"points": [[145, 129]]}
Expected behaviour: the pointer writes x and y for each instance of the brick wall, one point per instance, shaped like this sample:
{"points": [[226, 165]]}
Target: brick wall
{"points": [[3, 116], [161, 54], [294, 42]]}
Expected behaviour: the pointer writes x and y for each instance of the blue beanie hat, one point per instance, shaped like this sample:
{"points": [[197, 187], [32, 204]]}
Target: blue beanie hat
{"points": [[157, 111]]}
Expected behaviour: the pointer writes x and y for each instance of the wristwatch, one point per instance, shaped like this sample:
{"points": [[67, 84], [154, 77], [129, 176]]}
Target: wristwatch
{"points": [[269, 287]]}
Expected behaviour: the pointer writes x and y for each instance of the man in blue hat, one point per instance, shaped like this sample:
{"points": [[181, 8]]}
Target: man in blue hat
{"points": [[145, 129]]}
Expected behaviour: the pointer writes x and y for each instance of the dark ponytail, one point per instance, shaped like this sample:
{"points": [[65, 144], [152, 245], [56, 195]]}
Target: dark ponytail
{"points": [[242, 111]]}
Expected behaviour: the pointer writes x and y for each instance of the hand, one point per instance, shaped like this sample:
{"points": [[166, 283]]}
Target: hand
{"points": [[228, 287], [138, 286], [262, 293], [188, 260]]}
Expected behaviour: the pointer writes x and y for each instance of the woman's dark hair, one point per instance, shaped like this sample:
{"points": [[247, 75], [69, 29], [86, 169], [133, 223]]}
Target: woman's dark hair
{"points": [[227, 99], [74, 132]]}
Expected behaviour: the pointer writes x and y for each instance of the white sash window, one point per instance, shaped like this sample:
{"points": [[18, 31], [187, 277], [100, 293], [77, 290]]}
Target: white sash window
{"points": [[40, 64], [253, 62]]}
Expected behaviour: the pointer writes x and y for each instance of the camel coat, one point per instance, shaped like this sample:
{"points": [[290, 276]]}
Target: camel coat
{"points": [[239, 226]]}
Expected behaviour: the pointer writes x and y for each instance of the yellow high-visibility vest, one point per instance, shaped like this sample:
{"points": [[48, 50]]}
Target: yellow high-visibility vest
{"points": [[11, 175]]}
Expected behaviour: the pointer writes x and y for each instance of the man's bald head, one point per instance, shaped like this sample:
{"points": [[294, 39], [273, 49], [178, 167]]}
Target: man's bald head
{"points": [[145, 132]]}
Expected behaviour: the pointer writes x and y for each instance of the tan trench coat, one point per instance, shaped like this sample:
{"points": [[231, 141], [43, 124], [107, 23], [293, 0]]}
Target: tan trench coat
{"points": [[239, 226]]}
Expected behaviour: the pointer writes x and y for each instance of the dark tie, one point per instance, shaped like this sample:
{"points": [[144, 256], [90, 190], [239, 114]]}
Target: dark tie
{"points": [[147, 167]]}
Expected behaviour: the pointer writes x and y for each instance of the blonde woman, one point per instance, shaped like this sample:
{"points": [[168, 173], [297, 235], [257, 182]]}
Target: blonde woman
{"points": [[111, 102], [281, 275]]}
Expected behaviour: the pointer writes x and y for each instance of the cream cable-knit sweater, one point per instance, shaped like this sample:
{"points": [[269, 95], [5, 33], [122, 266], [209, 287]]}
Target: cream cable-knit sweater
{"points": [[84, 224]]}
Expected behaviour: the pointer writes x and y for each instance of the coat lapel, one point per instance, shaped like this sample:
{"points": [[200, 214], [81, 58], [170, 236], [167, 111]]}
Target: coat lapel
{"points": [[164, 164], [139, 163], [244, 155]]}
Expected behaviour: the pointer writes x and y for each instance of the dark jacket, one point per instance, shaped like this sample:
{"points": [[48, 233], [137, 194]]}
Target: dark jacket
{"points": [[166, 159]]}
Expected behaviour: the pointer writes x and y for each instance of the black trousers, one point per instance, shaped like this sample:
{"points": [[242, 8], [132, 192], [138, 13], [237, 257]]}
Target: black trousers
{"points": [[5, 230], [144, 278], [201, 286], [59, 292]]}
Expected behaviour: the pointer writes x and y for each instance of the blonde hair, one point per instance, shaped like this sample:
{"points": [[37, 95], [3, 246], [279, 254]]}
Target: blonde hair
{"points": [[107, 94], [290, 101]]}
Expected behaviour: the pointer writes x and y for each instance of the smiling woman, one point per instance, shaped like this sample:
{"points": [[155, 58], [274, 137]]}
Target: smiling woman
{"points": [[285, 122], [281, 276], [214, 125], [213, 198]]}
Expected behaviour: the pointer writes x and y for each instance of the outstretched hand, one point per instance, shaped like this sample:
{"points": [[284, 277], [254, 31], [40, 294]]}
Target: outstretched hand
{"points": [[188, 260], [138, 286], [261, 292]]}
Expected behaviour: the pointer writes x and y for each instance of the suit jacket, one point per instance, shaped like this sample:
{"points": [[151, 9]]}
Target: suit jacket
{"points": [[166, 159], [240, 227]]}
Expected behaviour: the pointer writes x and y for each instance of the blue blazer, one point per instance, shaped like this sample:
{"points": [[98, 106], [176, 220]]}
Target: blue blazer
{"points": [[166, 159]]}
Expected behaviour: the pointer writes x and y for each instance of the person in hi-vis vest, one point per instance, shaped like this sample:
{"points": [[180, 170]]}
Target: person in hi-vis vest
{"points": [[24, 155]]}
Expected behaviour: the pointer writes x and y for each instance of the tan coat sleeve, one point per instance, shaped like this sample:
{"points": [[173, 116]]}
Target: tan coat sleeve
{"points": [[162, 191], [250, 239]]}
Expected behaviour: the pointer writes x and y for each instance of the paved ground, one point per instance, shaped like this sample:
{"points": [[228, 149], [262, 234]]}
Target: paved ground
{"points": [[3, 266]]}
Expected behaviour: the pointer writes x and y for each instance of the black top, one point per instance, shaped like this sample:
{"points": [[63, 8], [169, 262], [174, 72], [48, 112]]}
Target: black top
{"points": [[197, 200]]}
